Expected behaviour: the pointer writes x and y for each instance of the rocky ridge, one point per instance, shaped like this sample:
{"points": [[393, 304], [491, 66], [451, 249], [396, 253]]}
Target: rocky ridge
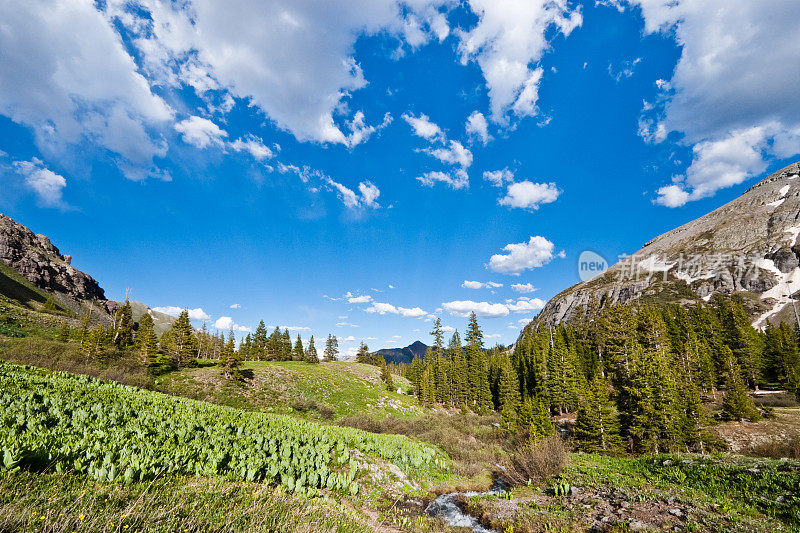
{"points": [[749, 245], [41, 263]]}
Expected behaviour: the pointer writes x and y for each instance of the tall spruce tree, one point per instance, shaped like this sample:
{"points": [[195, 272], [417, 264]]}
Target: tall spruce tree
{"points": [[597, 426], [298, 353], [331, 352], [311, 351], [147, 343], [123, 325], [737, 404]]}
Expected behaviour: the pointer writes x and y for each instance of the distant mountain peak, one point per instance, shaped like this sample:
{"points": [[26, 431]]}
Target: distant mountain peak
{"points": [[404, 355]]}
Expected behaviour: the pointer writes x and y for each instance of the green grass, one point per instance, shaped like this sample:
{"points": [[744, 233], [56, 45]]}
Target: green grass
{"points": [[315, 391], [737, 488], [56, 503]]}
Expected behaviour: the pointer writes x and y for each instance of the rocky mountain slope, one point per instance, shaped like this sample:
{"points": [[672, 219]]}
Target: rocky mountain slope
{"points": [[403, 355], [41, 263], [748, 246]]}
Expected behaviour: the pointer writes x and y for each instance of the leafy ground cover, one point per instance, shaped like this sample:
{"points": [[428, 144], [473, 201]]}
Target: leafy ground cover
{"points": [[114, 432]]}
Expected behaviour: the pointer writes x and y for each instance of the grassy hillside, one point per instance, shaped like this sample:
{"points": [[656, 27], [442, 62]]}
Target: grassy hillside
{"points": [[324, 390]]}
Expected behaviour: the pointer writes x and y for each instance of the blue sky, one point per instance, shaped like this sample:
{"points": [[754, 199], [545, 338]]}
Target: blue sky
{"points": [[362, 167]]}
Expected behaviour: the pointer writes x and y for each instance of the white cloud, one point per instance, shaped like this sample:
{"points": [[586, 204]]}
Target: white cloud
{"points": [[480, 285], [492, 336], [523, 256], [236, 306], [172, 310], [458, 179], [293, 60], [226, 323], [46, 184], [527, 195], [424, 127], [365, 298], [295, 328], [361, 132], [64, 73], [477, 127], [499, 177], [508, 40], [455, 154], [464, 308], [729, 161], [385, 308], [200, 132], [733, 94], [523, 288], [347, 339], [346, 324], [365, 198], [625, 71], [254, 146], [525, 304]]}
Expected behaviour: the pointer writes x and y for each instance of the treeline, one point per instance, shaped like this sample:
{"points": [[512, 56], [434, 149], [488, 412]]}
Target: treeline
{"points": [[636, 376], [182, 345]]}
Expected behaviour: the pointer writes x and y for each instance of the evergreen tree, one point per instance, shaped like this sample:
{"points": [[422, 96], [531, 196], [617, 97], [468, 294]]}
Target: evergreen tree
{"points": [[535, 417], [508, 395], [123, 325], [146, 342], [737, 404], [63, 332], [311, 351], [298, 354], [230, 359], [386, 376], [260, 342], [474, 333], [331, 348], [597, 427], [438, 338], [180, 342], [285, 346]]}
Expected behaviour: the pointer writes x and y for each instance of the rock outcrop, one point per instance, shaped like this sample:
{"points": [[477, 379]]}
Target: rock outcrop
{"points": [[749, 245], [41, 263]]}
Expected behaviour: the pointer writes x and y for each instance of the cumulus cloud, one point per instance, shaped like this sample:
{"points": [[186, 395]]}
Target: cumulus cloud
{"points": [[499, 177], [365, 198], [200, 132], [523, 288], [346, 324], [46, 184], [507, 42], [386, 308], [528, 195], [424, 127], [522, 256], [292, 60], [464, 308], [477, 127], [453, 154], [733, 93], [481, 285], [227, 323], [236, 306], [252, 145], [77, 87], [365, 298], [172, 310], [458, 179]]}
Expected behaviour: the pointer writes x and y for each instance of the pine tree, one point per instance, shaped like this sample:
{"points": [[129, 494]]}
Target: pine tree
{"points": [[597, 427], [230, 359], [146, 342], [311, 351], [331, 348], [386, 376], [298, 354], [84, 328], [260, 342], [737, 404], [508, 394], [180, 341], [363, 355], [63, 332], [414, 375], [474, 333], [123, 325], [438, 338], [285, 346], [535, 417]]}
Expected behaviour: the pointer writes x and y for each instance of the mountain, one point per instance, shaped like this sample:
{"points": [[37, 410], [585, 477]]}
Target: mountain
{"points": [[161, 321], [34, 270], [748, 246], [403, 355]]}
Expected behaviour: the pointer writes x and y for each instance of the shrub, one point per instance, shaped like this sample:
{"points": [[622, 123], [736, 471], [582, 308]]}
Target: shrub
{"points": [[536, 462]]}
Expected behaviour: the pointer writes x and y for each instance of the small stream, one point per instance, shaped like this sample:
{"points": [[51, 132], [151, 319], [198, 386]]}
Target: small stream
{"points": [[446, 508]]}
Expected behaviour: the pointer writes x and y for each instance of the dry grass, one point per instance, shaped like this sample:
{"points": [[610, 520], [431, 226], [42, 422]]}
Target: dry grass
{"points": [[475, 443], [536, 461], [65, 503]]}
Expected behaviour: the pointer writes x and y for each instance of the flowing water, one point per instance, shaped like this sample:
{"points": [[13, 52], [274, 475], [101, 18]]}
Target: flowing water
{"points": [[446, 508]]}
